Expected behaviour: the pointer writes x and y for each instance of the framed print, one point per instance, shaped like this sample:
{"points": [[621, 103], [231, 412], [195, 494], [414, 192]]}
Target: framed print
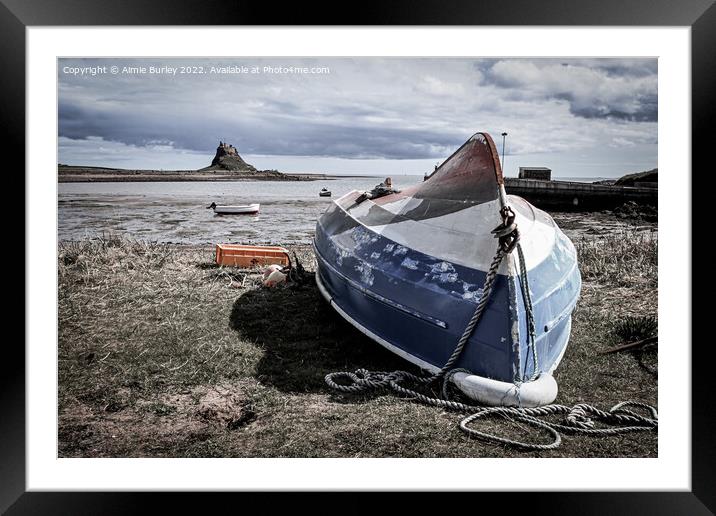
{"points": [[394, 253]]}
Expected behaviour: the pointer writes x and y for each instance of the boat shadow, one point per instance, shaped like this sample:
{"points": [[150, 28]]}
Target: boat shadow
{"points": [[304, 339]]}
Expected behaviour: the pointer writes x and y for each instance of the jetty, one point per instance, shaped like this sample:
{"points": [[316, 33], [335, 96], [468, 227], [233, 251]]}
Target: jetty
{"points": [[536, 186], [574, 196]]}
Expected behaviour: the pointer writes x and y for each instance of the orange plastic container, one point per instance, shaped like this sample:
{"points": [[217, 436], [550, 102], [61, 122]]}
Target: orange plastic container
{"points": [[237, 255]]}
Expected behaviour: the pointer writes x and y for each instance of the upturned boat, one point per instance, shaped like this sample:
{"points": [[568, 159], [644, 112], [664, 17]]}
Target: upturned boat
{"points": [[245, 209], [408, 270]]}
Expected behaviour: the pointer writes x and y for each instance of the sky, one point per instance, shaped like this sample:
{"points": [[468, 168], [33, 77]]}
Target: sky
{"points": [[592, 117]]}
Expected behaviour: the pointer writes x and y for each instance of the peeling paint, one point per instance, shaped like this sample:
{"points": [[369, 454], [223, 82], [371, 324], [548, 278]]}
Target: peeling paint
{"points": [[514, 330], [366, 273], [362, 237], [410, 264], [340, 254], [440, 267], [442, 272], [474, 295], [516, 349]]}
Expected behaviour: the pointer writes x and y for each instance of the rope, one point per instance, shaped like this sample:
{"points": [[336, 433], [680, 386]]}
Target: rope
{"points": [[527, 298], [579, 419], [470, 328]]}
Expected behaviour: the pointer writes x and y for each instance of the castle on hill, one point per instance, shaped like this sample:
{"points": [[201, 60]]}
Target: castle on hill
{"points": [[228, 158], [227, 149]]}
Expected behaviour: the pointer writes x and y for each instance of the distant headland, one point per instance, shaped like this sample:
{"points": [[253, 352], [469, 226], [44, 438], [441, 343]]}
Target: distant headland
{"points": [[227, 165]]}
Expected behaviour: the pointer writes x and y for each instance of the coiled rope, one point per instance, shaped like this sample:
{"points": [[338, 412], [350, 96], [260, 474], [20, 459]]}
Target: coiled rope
{"points": [[578, 419]]}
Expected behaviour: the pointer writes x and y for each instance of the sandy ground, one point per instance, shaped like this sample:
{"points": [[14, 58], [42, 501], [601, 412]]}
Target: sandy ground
{"points": [[163, 354]]}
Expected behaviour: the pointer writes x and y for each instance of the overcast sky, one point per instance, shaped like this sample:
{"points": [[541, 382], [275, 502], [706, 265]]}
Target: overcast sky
{"points": [[581, 117]]}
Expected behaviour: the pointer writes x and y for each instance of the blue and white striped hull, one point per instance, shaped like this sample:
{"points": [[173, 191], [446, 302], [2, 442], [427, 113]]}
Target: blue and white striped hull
{"points": [[408, 271], [418, 305]]}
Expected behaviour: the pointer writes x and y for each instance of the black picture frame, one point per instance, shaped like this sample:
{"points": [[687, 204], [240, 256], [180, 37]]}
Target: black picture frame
{"points": [[17, 15]]}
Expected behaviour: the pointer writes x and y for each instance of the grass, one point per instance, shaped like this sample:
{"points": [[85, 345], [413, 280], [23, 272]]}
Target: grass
{"points": [[633, 328], [626, 258], [163, 354]]}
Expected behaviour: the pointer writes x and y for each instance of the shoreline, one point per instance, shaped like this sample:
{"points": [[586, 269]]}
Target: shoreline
{"points": [[86, 174], [82, 174], [159, 177], [169, 178]]}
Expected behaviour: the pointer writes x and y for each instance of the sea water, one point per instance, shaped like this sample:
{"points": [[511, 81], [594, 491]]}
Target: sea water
{"points": [[176, 211]]}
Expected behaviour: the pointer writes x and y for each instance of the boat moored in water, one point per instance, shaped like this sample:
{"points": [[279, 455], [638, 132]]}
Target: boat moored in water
{"points": [[246, 209], [408, 268], [324, 192]]}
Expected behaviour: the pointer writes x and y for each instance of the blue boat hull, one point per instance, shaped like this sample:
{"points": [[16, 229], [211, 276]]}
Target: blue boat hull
{"points": [[407, 268], [419, 304]]}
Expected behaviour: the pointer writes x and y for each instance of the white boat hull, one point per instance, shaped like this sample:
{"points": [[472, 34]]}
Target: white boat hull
{"points": [[233, 210]]}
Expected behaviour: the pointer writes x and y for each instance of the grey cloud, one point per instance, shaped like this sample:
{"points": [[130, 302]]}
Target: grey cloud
{"points": [[367, 108], [647, 110], [617, 89], [256, 136]]}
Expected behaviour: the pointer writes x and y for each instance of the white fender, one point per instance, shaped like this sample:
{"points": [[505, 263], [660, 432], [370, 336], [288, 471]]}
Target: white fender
{"points": [[536, 393]]}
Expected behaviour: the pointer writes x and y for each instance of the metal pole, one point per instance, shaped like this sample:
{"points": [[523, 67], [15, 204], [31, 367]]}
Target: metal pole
{"points": [[503, 151]]}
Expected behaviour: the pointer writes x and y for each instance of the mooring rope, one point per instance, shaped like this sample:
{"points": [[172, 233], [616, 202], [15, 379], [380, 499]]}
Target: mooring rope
{"points": [[527, 298], [470, 328], [579, 419]]}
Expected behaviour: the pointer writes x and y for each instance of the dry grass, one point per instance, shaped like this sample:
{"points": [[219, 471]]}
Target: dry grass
{"points": [[163, 354], [626, 258]]}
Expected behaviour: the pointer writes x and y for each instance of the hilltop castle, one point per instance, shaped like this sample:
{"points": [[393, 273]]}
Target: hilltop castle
{"points": [[227, 158], [227, 149]]}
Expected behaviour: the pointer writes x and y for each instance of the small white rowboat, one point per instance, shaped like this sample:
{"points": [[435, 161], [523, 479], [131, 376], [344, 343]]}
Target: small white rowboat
{"points": [[235, 210]]}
